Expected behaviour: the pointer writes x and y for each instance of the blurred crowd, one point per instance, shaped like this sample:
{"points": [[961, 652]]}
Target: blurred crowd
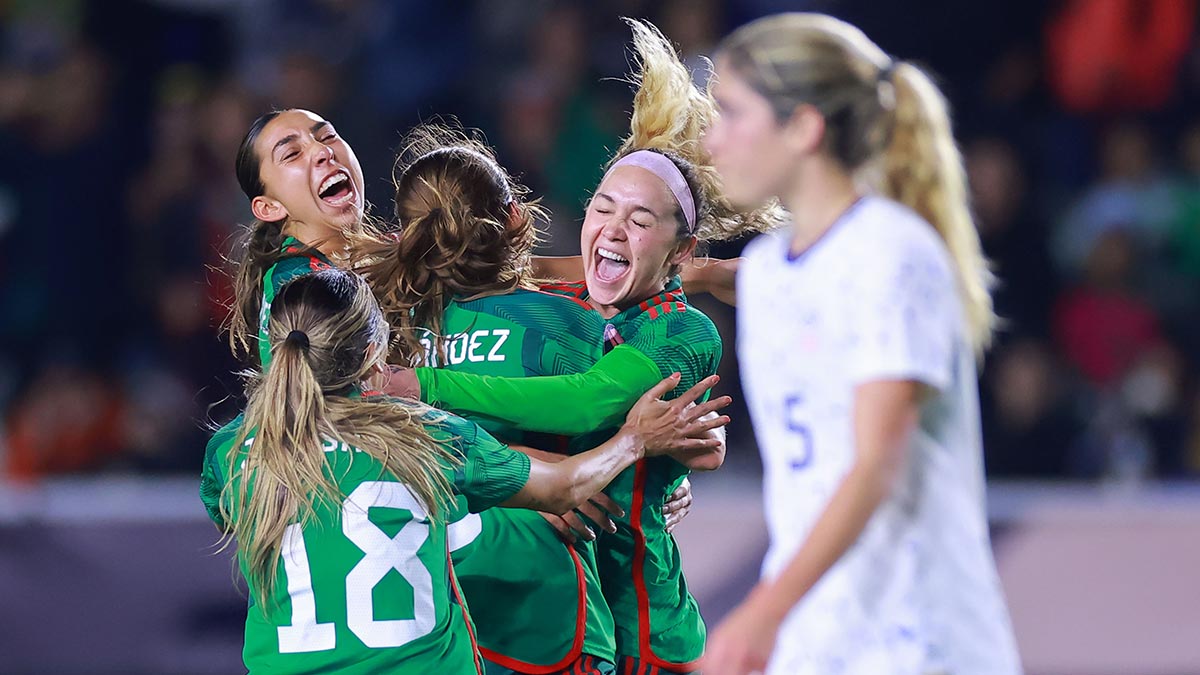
{"points": [[119, 121]]}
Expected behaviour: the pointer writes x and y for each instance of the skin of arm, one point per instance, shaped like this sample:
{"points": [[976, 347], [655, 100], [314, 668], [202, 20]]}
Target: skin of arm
{"points": [[653, 427], [885, 414], [708, 459], [699, 275]]}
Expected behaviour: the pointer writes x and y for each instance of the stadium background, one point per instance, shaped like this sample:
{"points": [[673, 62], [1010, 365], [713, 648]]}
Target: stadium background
{"points": [[119, 120]]}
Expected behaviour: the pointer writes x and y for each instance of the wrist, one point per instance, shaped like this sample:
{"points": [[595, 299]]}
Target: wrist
{"points": [[633, 442], [768, 603]]}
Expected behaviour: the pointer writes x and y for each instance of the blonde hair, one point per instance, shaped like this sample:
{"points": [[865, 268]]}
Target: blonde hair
{"points": [[670, 116], [464, 230], [322, 329], [885, 121]]}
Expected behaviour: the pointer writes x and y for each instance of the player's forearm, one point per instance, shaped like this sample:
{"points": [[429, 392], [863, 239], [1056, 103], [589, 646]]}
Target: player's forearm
{"points": [[561, 486], [838, 527], [558, 267]]}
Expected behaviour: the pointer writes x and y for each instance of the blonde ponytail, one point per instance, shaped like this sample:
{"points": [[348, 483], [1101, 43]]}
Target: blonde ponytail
{"points": [[670, 115], [923, 169], [326, 334], [885, 122]]}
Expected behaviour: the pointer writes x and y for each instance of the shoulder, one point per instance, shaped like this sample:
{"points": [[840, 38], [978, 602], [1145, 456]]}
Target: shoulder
{"points": [[225, 435], [892, 231], [667, 321], [767, 244]]}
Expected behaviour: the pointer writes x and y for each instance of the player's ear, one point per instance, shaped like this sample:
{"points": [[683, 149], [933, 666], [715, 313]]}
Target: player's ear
{"points": [[683, 251], [268, 210], [804, 131]]}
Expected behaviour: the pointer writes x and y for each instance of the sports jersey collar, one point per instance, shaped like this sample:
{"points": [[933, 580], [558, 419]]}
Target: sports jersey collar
{"points": [[294, 247], [824, 236], [673, 292]]}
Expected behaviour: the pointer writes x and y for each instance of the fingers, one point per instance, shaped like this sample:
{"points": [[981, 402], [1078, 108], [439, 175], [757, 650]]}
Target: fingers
{"points": [[702, 427], [659, 390], [608, 504], [560, 526], [695, 412], [598, 516], [698, 390], [579, 528]]}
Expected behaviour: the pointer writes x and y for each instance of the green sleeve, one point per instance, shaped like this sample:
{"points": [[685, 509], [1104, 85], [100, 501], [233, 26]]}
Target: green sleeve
{"points": [[212, 479], [679, 342], [489, 472], [560, 404]]}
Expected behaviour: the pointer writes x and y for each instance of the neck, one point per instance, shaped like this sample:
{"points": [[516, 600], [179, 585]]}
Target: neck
{"points": [[820, 194], [325, 239]]}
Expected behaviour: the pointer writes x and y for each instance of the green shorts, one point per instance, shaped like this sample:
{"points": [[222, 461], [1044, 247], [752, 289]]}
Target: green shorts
{"points": [[584, 665]]}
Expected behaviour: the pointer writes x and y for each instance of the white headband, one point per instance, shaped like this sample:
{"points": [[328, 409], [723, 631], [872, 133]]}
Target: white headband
{"points": [[660, 165]]}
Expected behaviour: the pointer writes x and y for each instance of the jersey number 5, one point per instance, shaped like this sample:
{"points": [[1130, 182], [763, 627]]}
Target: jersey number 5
{"points": [[383, 554]]}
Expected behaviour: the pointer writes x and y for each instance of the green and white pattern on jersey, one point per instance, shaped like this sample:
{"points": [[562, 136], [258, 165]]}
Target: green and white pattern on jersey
{"points": [[297, 260], [366, 586], [639, 564], [522, 583]]}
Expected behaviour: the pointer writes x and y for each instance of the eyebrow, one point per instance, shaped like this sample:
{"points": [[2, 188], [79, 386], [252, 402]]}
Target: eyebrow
{"points": [[637, 207], [291, 137]]}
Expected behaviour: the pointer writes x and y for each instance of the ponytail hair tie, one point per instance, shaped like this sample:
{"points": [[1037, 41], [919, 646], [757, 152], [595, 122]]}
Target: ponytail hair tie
{"points": [[299, 338]]}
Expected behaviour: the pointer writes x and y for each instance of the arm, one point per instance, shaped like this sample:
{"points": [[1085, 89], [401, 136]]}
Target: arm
{"points": [[558, 267], [653, 427], [707, 459], [713, 276], [885, 414], [559, 404]]}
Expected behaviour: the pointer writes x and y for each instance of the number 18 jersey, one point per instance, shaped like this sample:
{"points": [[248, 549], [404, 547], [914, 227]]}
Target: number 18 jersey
{"points": [[366, 585]]}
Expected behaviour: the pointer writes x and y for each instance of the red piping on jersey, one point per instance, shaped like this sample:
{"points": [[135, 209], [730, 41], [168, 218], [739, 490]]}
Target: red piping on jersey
{"points": [[575, 289], [576, 646], [466, 615], [639, 576], [573, 298]]}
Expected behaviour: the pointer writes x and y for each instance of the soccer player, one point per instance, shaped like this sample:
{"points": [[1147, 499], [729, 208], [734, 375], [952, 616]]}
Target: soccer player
{"points": [[454, 281], [859, 329], [657, 199], [328, 490]]}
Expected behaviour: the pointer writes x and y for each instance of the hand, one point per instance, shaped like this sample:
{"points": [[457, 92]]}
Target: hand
{"points": [[666, 426], [396, 381], [572, 526], [743, 642], [679, 503]]}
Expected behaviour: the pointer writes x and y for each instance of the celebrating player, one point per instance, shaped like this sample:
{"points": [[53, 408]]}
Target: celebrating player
{"points": [[454, 281], [657, 199], [305, 188], [327, 489], [858, 334]]}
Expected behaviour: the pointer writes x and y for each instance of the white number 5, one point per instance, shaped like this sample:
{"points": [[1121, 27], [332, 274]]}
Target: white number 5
{"points": [[383, 554]]}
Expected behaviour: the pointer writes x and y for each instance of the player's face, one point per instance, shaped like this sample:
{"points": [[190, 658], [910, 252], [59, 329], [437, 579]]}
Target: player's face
{"points": [[310, 174], [746, 142], [629, 239]]}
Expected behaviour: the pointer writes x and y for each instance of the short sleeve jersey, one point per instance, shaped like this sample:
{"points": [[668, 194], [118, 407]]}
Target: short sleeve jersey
{"points": [[657, 619], [366, 586], [537, 602], [875, 298]]}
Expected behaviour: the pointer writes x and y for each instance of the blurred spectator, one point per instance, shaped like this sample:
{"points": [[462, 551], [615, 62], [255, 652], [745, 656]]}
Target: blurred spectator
{"points": [[1029, 426], [1101, 326], [1013, 237], [1131, 195]]}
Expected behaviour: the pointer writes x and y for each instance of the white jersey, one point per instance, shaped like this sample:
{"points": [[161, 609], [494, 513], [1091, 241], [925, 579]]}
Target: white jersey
{"points": [[874, 299]]}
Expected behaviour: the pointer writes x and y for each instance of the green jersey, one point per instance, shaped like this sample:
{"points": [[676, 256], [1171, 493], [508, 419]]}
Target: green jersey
{"points": [[536, 601], [297, 260], [657, 620], [366, 585]]}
